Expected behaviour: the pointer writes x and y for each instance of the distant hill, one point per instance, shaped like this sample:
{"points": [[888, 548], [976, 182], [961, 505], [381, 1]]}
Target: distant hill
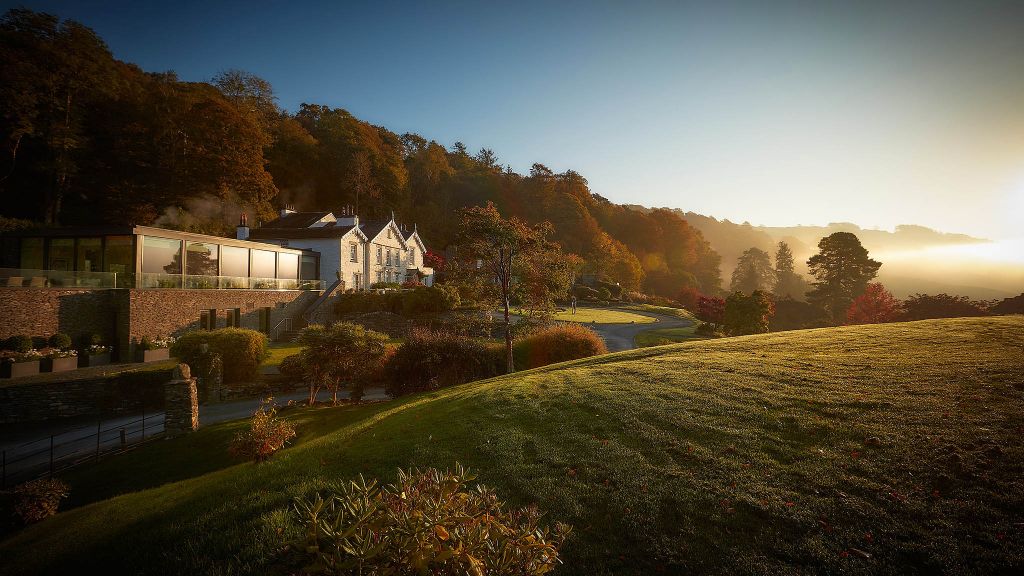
{"points": [[902, 271]]}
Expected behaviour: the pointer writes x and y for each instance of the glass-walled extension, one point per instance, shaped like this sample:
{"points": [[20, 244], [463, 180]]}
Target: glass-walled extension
{"points": [[144, 257]]}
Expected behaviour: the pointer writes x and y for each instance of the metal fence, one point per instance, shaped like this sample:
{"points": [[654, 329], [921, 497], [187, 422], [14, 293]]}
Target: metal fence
{"points": [[48, 455]]}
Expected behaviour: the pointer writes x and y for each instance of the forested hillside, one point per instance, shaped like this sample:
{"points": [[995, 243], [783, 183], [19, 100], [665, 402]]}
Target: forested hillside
{"points": [[90, 139]]}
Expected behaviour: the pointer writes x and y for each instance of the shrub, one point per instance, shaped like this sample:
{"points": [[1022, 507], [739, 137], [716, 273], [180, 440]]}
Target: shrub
{"points": [[267, 434], [614, 290], [429, 522], [925, 306], [19, 343], [40, 342], [240, 349], [1014, 305], [345, 353], [793, 315], [748, 314], [584, 292], [60, 341], [557, 344], [38, 499], [708, 330], [689, 297], [428, 360], [291, 367], [604, 294], [422, 300]]}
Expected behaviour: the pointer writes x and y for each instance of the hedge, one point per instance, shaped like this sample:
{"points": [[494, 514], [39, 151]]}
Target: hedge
{"points": [[241, 350], [558, 343]]}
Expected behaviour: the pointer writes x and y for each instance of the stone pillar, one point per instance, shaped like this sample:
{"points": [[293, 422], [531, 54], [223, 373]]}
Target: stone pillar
{"points": [[181, 412]]}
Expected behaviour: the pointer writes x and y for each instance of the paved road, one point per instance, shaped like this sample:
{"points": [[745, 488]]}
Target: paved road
{"points": [[619, 337]]}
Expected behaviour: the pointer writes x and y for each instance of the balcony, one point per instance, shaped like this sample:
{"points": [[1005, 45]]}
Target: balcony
{"points": [[26, 278], [196, 282], [29, 278]]}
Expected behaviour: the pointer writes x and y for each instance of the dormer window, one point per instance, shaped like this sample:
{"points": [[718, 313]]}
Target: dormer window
{"points": [[389, 232]]}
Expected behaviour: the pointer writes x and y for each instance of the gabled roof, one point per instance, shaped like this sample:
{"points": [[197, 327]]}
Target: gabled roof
{"points": [[374, 229], [415, 234], [297, 220], [332, 230]]}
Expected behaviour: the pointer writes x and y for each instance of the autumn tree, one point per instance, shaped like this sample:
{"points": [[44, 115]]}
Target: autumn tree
{"points": [[875, 306], [788, 284], [842, 270], [753, 272], [711, 309], [748, 314], [510, 259]]}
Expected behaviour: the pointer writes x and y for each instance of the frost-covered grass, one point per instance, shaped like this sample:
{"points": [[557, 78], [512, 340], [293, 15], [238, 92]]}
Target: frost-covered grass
{"points": [[889, 449]]}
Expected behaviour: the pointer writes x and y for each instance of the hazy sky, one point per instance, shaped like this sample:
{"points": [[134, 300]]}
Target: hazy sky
{"points": [[777, 113]]}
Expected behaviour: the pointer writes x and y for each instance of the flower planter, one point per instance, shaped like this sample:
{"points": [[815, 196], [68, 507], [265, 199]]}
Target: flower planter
{"points": [[19, 369], [154, 355], [60, 364], [86, 360]]}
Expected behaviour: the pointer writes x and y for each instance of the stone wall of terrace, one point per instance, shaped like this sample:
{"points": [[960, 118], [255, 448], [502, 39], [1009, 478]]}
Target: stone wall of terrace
{"points": [[123, 317], [77, 312], [174, 312]]}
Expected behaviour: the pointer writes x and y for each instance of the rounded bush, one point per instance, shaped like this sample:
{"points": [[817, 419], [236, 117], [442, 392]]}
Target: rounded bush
{"points": [[428, 360], [241, 351], [19, 343], [557, 344], [40, 342], [60, 341]]}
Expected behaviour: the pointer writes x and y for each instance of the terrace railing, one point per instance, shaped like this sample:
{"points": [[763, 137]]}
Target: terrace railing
{"points": [[200, 282], [30, 278]]}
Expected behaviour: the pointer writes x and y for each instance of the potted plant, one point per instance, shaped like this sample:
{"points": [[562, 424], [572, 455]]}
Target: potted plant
{"points": [[153, 350], [57, 360], [96, 353], [17, 364]]}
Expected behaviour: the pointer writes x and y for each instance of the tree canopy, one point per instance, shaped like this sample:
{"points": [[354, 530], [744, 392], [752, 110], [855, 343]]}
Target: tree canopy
{"points": [[90, 139], [842, 270]]}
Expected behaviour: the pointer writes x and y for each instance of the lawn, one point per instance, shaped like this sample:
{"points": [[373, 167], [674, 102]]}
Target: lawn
{"points": [[601, 316], [279, 351], [889, 449], [662, 336]]}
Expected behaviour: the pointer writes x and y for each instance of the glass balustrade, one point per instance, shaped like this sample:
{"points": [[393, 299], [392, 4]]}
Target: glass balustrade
{"points": [[30, 278]]}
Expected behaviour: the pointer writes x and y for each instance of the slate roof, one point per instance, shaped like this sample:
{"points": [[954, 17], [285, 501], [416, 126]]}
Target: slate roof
{"points": [[296, 220], [328, 231]]}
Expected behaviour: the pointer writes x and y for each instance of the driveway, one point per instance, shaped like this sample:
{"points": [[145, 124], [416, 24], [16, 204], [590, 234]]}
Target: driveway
{"points": [[619, 337], [27, 448]]}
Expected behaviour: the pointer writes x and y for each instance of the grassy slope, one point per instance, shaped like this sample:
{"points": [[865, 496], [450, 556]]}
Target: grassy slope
{"points": [[661, 336], [741, 455]]}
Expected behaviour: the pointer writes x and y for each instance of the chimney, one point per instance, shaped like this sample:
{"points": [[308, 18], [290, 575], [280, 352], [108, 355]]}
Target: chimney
{"points": [[242, 232], [348, 216], [288, 209]]}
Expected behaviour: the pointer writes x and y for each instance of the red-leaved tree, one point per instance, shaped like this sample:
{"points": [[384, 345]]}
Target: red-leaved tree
{"points": [[875, 306], [711, 309]]}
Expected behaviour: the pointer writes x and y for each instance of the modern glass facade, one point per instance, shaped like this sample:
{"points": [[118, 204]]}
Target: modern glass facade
{"points": [[153, 258]]}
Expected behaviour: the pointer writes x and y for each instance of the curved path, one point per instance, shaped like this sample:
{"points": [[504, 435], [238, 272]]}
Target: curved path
{"points": [[620, 337]]}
